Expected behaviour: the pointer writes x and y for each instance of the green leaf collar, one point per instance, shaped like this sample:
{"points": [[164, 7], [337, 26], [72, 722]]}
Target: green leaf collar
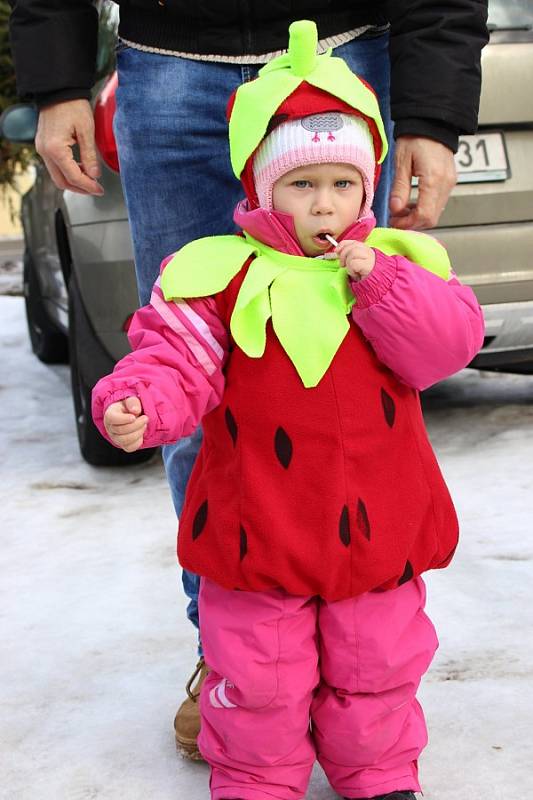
{"points": [[307, 299]]}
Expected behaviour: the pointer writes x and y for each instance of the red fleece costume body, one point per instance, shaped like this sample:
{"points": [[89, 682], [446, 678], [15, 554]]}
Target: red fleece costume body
{"points": [[332, 490]]}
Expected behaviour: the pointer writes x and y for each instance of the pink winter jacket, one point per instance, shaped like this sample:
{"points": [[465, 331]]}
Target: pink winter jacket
{"points": [[421, 327]]}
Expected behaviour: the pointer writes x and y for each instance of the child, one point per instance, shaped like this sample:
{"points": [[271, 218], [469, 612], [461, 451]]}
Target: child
{"points": [[316, 501]]}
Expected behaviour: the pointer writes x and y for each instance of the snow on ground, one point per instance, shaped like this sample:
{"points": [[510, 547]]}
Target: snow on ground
{"points": [[96, 648], [11, 249]]}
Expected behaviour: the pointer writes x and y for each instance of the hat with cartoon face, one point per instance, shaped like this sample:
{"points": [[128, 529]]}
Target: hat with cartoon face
{"points": [[304, 109], [330, 137]]}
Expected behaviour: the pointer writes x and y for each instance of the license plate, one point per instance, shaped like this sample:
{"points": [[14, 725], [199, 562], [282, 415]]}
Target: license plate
{"points": [[482, 157]]}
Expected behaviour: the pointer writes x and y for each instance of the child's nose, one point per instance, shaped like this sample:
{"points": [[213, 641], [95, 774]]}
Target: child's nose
{"points": [[323, 203]]}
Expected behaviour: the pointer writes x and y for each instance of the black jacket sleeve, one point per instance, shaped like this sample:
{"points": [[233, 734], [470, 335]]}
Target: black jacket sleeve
{"points": [[54, 48], [435, 51]]}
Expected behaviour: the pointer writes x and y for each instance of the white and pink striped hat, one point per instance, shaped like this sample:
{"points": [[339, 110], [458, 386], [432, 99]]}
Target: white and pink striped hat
{"points": [[331, 137]]}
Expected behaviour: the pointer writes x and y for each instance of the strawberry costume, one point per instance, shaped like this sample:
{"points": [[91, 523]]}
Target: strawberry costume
{"points": [[290, 476], [316, 501]]}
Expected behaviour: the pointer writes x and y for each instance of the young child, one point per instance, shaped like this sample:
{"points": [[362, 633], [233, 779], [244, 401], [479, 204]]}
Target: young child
{"points": [[316, 501]]}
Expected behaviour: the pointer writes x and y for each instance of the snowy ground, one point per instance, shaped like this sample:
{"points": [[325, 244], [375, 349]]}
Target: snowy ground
{"points": [[11, 265], [96, 649]]}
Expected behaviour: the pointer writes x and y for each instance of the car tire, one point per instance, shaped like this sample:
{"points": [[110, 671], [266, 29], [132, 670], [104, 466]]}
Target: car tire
{"points": [[88, 363], [49, 344]]}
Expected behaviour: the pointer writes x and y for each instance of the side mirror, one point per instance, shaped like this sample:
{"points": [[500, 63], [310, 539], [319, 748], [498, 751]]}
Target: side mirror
{"points": [[18, 123]]}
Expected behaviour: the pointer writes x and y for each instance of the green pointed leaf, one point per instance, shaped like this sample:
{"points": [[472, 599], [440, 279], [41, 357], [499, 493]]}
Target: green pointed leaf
{"points": [[252, 307], [308, 320], [334, 76], [255, 104], [421, 248], [205, 266]]}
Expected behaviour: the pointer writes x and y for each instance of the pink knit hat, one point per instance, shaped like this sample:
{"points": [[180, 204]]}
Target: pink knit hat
{"points": [[330, 137]]}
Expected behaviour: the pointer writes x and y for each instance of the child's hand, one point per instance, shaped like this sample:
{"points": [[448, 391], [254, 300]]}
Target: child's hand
{"points": [[125, 423], [358, 259]]}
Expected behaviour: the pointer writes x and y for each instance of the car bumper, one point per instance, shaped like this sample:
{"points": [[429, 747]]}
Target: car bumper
{"points": [[508, 337], [495, 260]]}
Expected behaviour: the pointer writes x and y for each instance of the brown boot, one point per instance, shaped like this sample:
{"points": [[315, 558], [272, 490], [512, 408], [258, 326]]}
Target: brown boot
{"points": [[187, 720]]}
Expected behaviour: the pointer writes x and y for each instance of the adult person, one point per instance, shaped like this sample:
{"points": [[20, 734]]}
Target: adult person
{"points": [[177, 65]]}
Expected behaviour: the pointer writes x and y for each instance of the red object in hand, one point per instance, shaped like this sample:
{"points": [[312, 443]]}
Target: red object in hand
{"points": [[104, 111]]}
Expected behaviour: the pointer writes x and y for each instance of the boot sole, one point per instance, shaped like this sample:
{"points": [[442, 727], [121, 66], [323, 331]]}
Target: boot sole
{"points": [[188, 750]]}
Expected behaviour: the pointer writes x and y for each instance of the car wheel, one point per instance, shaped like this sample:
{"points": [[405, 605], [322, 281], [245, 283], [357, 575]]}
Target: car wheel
{"points": [[88, 363], [48, 343]]}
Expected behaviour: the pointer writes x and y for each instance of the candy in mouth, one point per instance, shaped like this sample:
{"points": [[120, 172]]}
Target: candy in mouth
{"points": [[325, 236]]}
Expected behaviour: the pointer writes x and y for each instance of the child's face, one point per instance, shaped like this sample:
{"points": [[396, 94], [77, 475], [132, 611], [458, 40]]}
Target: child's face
{"points": [[322, 198]]}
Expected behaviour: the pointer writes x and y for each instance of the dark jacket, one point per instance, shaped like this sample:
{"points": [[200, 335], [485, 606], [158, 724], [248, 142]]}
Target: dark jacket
{"points": [[435, 47]]}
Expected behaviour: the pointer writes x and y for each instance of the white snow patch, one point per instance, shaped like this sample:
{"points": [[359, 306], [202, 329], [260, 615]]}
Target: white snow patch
{"points": [[96, 648]]}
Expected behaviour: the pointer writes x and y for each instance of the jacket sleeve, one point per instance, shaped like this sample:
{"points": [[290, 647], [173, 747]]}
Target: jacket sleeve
{"points": [[54, 48], [420, 326], [435, 51], [175, 369]]}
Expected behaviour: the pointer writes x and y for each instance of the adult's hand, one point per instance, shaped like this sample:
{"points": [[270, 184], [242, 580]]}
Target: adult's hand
{"points": [[434, 166], [61, 126]]}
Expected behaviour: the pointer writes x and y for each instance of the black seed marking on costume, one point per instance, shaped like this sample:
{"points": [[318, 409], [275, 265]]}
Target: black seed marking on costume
{"points": [[243, 548], [283, 447], [231, 425], [407, 574], [389, 407], [344, 527], [362, 520], [199, 520]]}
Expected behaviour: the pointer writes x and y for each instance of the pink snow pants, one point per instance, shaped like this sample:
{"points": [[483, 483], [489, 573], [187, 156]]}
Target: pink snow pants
{"points": [[295, 679]]}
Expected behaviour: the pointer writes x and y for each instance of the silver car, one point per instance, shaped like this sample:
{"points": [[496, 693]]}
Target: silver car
{"points": [[78, 266], [79, 284], [488, 223]]}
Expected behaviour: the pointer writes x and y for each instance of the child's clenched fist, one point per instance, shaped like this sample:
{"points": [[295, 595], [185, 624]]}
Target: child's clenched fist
{"points": [[358, 258], [125, 423]]}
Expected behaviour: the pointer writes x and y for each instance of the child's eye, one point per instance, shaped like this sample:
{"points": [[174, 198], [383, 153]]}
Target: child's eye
{"points": [[342, 184], [301, 184]]}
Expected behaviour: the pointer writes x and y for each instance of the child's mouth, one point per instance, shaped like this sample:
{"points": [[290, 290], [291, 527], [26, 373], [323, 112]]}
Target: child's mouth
{"points": [[321, 241]]}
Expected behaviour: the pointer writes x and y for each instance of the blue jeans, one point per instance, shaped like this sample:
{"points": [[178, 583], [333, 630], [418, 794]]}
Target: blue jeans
{"points": [[172, 140]]}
